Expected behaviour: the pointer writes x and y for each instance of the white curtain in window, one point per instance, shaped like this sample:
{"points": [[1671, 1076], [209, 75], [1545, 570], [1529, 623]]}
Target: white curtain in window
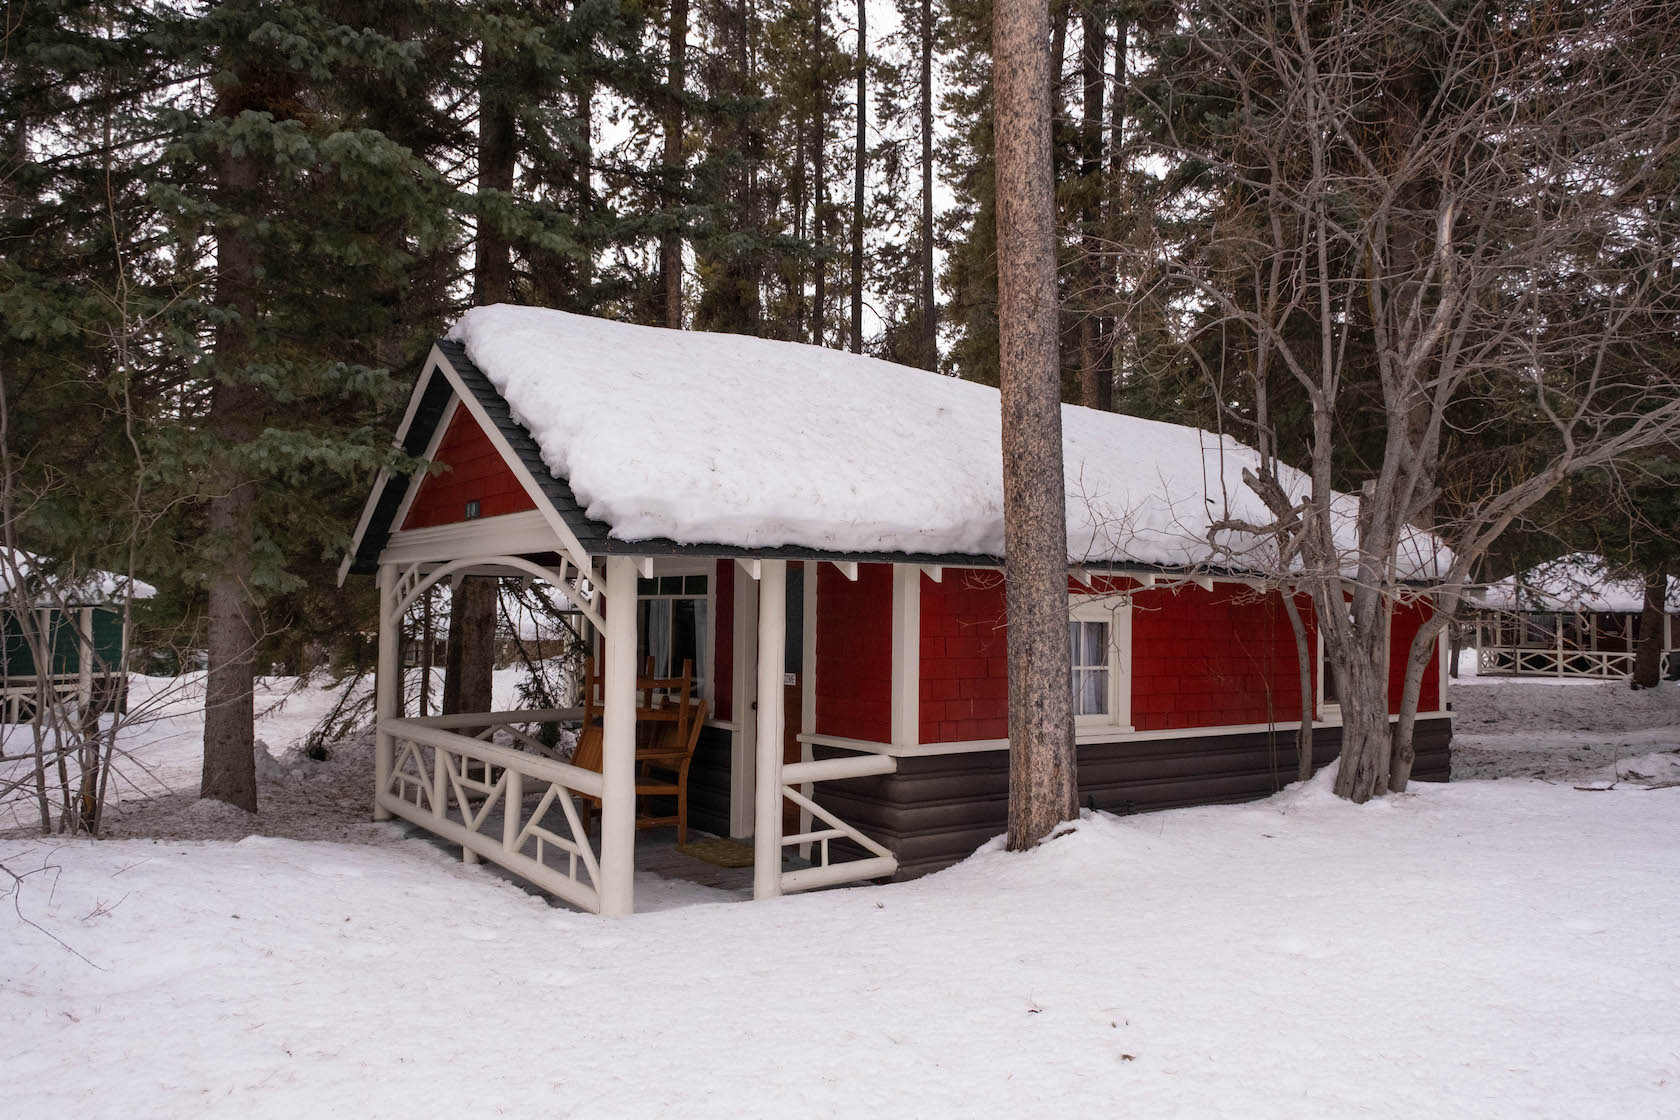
{"points": [[659, 636]]}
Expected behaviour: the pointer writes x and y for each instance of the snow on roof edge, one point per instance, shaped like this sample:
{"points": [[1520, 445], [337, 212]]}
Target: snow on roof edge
{"points": [[730, 440]]}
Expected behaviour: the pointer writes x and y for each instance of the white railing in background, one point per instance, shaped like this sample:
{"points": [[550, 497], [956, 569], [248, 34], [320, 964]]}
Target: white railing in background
{"points": [[451, 784], [823, 872], [18, 695], [1549, 662]]}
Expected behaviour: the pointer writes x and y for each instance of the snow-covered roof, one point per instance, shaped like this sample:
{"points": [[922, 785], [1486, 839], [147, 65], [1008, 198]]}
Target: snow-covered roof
{"points": [[85, 588], [730, 440], [1580, 581]]}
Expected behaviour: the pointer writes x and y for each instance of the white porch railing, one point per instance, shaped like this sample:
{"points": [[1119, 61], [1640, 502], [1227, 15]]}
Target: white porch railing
{"points": [[450, 784], [824, 872], [1567, 663]]}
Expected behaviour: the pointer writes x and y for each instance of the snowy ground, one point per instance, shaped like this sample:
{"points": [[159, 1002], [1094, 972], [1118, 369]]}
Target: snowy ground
{"points": [[1565, 731], [1480, 949]]}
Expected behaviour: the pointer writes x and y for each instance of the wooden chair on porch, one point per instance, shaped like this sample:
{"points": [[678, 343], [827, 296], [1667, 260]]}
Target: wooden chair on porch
{"points": [[668, 721]]}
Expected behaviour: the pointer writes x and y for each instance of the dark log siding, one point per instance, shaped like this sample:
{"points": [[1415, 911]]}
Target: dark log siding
{"points": [[708, 782], [937, 810]]}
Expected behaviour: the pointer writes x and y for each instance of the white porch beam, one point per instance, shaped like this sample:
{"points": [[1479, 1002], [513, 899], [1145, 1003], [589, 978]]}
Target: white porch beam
{"points": [[772, 658], [753, 568], [934, 572], [385, 687], [644, 567], [906, 654], [618, 742], [848, 568], [1203, 582]]}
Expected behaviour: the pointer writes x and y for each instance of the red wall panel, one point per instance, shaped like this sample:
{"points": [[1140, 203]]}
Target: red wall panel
{"points": [[1213, 658], [1404, 627], [477, 472], [854, 653], [964, 658]]}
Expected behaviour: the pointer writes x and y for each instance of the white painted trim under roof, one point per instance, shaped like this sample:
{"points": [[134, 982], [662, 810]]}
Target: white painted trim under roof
{"points": [[511, 534]]}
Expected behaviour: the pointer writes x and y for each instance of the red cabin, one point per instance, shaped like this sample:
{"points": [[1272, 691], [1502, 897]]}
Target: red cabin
{"points": [[819, 534]]}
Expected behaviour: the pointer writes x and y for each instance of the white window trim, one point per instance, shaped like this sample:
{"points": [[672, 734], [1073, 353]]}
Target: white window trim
{"points": [[1117, 612]]}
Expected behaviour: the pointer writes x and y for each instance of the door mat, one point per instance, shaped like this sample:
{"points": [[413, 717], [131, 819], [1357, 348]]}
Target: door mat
{"points": [[719, 851]]}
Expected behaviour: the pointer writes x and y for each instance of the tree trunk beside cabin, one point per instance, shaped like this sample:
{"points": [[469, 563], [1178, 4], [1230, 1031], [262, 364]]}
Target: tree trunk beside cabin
{"points": [[1304, 667], [470, 657], [235, 420], [930, 304], [860, 170], [1648, 649], [676, 82], [1042, 786]]}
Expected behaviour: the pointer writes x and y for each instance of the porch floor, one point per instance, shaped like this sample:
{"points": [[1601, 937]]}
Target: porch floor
{"points": [[666, 877]]}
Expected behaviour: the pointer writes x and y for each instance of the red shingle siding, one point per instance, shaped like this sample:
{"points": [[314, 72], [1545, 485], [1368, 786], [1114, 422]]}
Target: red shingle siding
{"points": [[1404, 627], [1213, 659], [723, 656], [964, 658], [476, 471], [854, 653]]}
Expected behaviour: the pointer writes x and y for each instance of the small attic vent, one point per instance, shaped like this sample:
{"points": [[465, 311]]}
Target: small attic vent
{"points": [[472, 510]]}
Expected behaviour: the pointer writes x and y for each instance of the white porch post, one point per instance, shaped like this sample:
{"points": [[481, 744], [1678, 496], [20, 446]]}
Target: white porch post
{"points": [[772, 658], [906, 654], [385, 685], [618, 741]]}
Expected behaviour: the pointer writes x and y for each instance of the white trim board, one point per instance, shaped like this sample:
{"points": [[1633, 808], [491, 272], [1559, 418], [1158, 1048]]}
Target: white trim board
{"points": [[1084, 737]]}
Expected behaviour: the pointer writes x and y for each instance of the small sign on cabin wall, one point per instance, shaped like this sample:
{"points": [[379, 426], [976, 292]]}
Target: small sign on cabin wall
{"points": [[790, 678]]}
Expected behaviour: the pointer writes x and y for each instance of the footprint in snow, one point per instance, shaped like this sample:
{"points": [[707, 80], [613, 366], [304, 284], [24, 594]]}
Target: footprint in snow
{"points": [[1587, 925]]}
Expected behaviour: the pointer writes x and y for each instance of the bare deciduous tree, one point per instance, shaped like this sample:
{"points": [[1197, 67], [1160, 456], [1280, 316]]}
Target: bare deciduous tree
{"points": [[1446, 233]]}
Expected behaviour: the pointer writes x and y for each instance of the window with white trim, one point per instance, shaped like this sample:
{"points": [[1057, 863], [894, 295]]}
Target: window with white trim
{"points": [[673, 625], [1099, 650]]}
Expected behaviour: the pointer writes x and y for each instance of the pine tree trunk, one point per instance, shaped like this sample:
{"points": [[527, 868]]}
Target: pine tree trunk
{"points": [[235, 420], [670, 245], [470, 656], [819, 186], [860, 169], [1115, 202], [1093, 49], [930, 304], [1042, 782], [1648, 649], [497, 150]]}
